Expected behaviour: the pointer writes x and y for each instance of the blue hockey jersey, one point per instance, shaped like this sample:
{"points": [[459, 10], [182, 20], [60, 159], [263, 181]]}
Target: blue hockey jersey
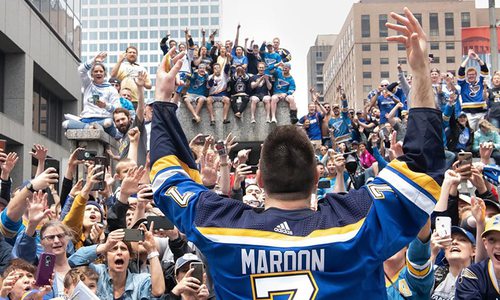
{"points": [[335, 252]]}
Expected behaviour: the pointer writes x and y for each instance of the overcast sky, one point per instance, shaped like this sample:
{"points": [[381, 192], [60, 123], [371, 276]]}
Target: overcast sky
{"points": [[297, 23]]}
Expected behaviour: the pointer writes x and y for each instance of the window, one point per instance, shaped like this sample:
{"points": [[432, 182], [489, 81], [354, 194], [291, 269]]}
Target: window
{"points": [[113, 47], [204, 21], [103, 36], [163, 22], [367, 88], [194, 22], [174, 22], [384, 60], [113, 24], [449, 26], [382, 30], [214, 21], [144, 23], [450, 45], [436, 60], [47, 113], [193, 9], [450, 59], [123, 35], [418, 17], [133, 11], [113, 35], [367, 61], [214, 9], [92, 48], [2, 79], [153, 22], [153, 34], [184, 22], [143, 35], [103, 23], [123, 11], [123, 23], [366, 47], [367, 75], [163, 10], [402, 60], [123, 46], [204, 9], [465, 16], [184, 10], [319, 69], [153, 46], [103, 47], [133, 35], [384, 75], [401, 47], [93, 24], [174, 10], [433, 24], [153, 10], [93, 12], [153, 58], [384, 46], [143, 46], [133, 23], [434, 45], [143, 58], [93, 36], [365, 25], [113, 11], [103, 12], [195, 33]]}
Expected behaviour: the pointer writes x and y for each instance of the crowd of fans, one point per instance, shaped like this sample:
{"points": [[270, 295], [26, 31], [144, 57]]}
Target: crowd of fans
{"points": [[85, 225]]}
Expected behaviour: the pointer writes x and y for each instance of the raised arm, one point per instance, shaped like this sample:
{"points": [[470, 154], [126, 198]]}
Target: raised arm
{"points": [[116, 67], [236, 39]]}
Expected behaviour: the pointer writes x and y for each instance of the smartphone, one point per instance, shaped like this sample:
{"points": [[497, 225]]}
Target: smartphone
{"points": [[150, 191], [95, 98], [3, 144], [201, 139], [324, 185], [100, 162], [443, 226], [133, 235], [83, 154], [52, 163], [160, 223], [221, 148], [465, 158], [198, 270], [45, 269], [431, 55], [254, 169]]}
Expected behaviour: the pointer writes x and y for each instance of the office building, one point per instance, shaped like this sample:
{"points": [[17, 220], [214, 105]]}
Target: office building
{"points": [[361, 57], [39, 57], [315, 61], [113, 25]]}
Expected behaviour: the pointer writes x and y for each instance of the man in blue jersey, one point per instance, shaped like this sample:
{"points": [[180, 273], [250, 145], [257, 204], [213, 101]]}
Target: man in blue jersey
{"points": [[471, 90], [287, 249], [283, 89], [197, 92], [340, 123], [313, 129]]}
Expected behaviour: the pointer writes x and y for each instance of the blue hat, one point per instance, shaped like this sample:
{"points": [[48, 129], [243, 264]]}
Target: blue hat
{"points": [[94, 203], [467, 234]]}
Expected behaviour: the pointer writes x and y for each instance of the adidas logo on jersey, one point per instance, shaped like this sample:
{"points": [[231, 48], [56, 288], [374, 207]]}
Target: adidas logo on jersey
{"points": [[283, 228]]}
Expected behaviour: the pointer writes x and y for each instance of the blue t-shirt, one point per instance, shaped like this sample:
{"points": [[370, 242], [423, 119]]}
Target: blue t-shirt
{"points": [[463, 139], [314, 129], [385, 105], [271, 59], [198, 85], [283, 84], [242, 60]]}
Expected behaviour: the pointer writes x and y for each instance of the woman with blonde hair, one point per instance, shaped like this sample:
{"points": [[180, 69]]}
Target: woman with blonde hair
{"points": [[487, 136]]}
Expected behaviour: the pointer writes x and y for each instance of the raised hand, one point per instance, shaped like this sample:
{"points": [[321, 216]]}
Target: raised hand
{"points": [[8, 283], [339, 162], [413, 37], [37, 208], [452, 177], [9, 164], [478, 210], [134, 135], [140, 80], [165, 79], [209, 167], [130, 185], [149, 239], [99, 58], [45, 179], [40, 152], [230, 142]]}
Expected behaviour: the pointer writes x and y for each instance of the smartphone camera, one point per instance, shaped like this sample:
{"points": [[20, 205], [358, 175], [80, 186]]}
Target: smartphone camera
{"points": [[48, 260]]}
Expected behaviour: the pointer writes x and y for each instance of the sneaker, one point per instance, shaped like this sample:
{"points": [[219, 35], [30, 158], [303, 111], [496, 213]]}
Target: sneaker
{"points": [[212, 123], [253, 121], [268, 120], [226, 122], [294, 120], [273, 120]]}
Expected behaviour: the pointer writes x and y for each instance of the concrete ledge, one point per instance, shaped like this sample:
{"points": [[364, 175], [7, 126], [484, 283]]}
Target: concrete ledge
{"points": [[88, 134], [242, 129]]}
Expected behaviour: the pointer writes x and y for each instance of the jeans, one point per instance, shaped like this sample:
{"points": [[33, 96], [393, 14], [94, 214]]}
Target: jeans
{"points": [[106, 123]]}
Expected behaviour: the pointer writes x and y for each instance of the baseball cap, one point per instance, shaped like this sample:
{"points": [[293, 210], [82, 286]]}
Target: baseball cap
{"points": [[467, 234], [114, 80], [493, 224], [139, 222], [186, 258], [462, 114], [384, 82], [99, 207], [492, 204], [269, 44], [465, 198]]}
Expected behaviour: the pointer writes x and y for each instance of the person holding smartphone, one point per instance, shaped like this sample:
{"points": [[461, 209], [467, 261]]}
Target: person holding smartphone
{"points": [[189, 284]]}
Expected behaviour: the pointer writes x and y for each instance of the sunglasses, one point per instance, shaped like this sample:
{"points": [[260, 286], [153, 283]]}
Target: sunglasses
{"points": [[52, 237]]}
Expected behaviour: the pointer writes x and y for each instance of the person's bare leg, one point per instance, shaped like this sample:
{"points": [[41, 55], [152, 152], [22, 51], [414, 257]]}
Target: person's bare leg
{"points": [[274, 104], [210, 108], [267, 106], [225, 108], [253, 106], [189, 106]]}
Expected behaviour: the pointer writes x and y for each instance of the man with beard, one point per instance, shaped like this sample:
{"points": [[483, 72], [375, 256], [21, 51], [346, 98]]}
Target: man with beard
{"points": [[123, 122], [127, 69]]}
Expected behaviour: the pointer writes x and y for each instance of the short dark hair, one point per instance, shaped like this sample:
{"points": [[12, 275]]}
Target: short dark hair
{"points": [[288, 164], [19, 264], [121, 110]]}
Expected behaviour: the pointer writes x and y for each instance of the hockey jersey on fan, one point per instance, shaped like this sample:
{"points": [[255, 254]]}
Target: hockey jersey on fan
{"points": [[335, 252]]}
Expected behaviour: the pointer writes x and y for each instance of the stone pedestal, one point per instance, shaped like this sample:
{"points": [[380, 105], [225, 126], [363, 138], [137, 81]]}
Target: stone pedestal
{"points": [[241, 128]]}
